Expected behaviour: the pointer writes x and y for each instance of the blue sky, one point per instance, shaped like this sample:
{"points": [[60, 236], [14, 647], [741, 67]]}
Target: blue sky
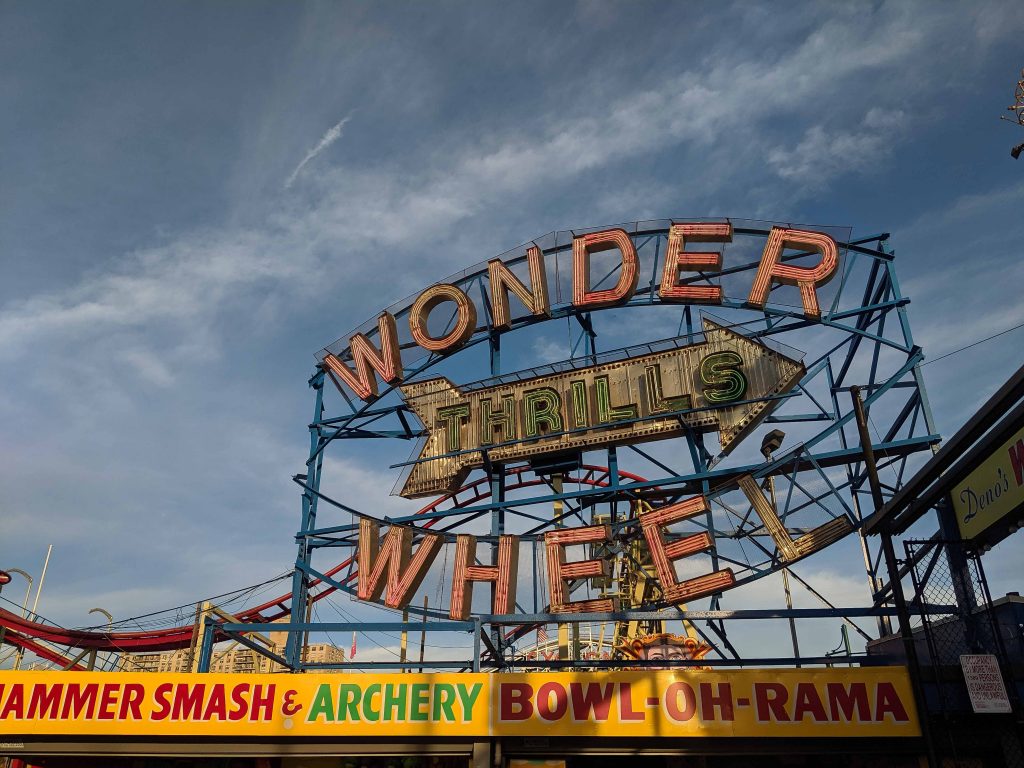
{"points": [[196, 197]]}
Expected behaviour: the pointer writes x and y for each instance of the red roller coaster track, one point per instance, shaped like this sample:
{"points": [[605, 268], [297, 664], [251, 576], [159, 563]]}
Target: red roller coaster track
{"points": [[30, 635]]}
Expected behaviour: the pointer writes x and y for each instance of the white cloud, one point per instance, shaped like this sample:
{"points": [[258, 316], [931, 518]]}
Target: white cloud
{"points": [[330, 136], [391, 207], [823, 155], [547, 350]]}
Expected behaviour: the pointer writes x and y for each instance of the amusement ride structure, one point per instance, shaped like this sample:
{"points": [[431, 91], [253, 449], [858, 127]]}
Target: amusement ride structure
{"points": [[786, 480]]}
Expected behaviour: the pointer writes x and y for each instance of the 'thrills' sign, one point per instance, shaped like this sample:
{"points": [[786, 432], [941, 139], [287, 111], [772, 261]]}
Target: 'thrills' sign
{"points": [[726, 383]]}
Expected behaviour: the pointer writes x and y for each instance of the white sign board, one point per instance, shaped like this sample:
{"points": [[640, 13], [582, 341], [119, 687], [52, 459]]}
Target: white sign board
{"points": [[985, 683]]}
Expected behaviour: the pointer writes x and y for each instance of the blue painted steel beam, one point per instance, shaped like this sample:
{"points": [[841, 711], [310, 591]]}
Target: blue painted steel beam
{"points": [[758, 470]]}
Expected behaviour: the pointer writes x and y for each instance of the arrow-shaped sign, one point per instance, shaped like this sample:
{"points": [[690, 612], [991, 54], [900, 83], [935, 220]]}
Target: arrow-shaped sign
{"points": [[724, 384]]}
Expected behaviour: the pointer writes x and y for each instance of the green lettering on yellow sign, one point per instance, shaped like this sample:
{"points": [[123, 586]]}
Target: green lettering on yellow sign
{"points": [[394, 703]]}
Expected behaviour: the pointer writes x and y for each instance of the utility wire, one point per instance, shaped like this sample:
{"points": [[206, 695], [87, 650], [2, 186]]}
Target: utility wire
{"points": [[972, 344]]}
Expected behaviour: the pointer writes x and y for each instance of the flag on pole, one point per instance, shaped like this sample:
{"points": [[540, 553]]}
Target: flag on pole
{"points": [[542, 635], [352, 653]]}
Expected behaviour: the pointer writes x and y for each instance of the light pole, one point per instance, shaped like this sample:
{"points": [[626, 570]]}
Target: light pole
{"points": [[42, 578], [110, 623], [769, 445], [24, 609]]}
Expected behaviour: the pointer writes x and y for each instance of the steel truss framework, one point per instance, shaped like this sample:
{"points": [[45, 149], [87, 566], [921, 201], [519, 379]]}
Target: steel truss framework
{"points": [[866, 348]]}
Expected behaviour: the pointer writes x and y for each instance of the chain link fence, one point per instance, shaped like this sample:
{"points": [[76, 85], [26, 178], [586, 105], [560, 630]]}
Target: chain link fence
{"points": [[952, 615]]}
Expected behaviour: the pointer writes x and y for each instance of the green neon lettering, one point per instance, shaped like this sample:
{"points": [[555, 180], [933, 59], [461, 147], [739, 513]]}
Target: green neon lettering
{"points": [[656, 393], [369, 713], [394, 702], [580, 406], [450, 418], [420, 701], [323, 705], [606, 412], [504, 421], [543, 411], [722, 382]]}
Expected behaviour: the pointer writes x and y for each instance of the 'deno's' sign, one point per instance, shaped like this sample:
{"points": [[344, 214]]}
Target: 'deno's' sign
{"points": [[724, 384], [681, 703], [993, 490]]}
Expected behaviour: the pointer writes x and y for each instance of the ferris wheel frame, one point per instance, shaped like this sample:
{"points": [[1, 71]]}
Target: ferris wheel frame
{"points": [[874, 327]]}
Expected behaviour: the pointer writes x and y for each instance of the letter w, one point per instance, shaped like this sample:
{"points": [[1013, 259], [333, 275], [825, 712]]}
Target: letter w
{"points": [[387, 361], [590, 699], [405, 571]]}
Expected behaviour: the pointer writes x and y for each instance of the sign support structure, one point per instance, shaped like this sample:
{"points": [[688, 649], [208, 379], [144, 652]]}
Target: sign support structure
{"points": [[841, 303]]}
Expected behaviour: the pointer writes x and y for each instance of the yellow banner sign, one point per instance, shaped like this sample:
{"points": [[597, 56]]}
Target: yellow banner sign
{"points": [[784, 703], [993, 490]]}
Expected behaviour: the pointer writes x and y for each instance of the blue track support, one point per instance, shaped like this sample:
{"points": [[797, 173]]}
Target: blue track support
{"points": [[310, 498], [206, 649]]}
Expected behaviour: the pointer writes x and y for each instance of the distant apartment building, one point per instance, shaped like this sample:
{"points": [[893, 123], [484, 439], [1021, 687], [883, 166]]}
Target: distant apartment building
{"points": [[230, 661]]}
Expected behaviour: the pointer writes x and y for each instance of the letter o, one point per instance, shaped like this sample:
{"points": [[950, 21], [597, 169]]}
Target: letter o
{"points": [[426, 302], [676, 691], [544, 708]]}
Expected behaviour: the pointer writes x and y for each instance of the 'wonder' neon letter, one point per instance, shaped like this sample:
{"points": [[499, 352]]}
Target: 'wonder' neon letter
{"points": [[676, 258], [582, 247], [504, 281], [805, 278], [387, 361]]}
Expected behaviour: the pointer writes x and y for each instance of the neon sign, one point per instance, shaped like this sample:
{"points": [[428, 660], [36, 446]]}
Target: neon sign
{"points": [[359, 366], [726, 383]]}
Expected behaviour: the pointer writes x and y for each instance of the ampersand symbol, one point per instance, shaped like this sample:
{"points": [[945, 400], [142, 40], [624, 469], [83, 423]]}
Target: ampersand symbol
{"points": [[289, 707]]}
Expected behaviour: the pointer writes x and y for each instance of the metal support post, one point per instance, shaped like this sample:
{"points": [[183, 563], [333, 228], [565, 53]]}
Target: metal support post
{"points": [[892, 566], [300, 583], [206, 645], [785, 571], [497, 529], [476, 643]]}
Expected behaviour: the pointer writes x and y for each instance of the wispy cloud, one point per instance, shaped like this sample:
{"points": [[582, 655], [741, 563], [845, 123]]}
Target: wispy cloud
{"points": [[332, 135], [823, 154]]}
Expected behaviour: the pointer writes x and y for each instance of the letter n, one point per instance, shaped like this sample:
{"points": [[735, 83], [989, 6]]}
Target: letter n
{"points": [[404, 570], [387, 360], [504, 281]]}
